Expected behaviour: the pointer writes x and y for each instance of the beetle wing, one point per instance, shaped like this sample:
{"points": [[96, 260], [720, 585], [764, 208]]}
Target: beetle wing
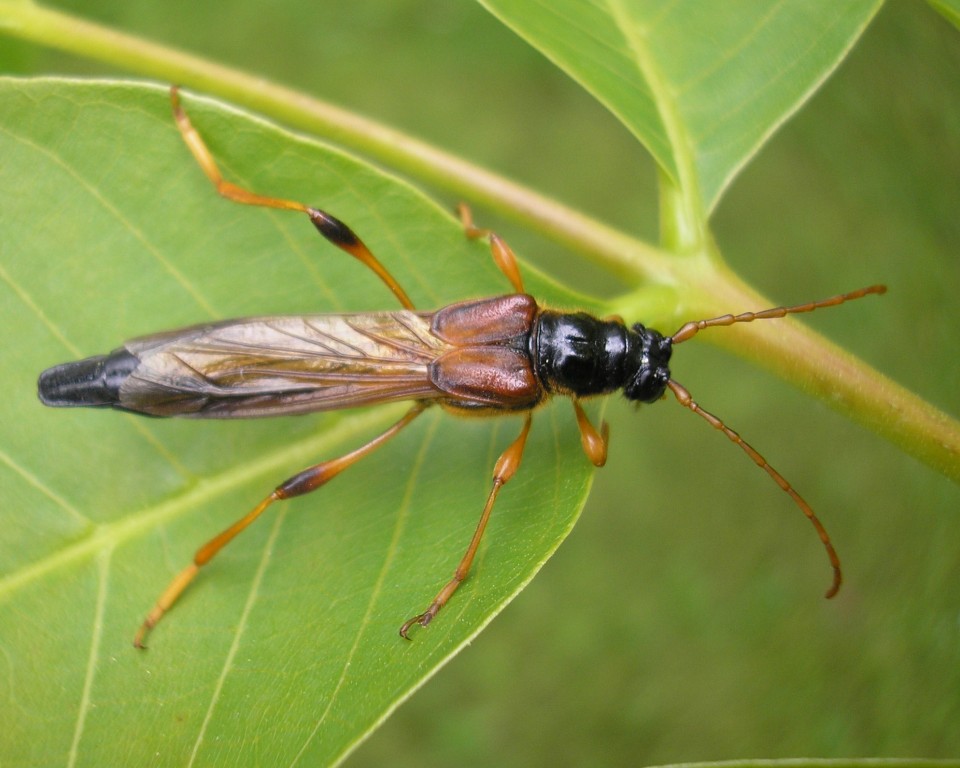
{"points": [[275, 366], [492, 378], [498, 320]]}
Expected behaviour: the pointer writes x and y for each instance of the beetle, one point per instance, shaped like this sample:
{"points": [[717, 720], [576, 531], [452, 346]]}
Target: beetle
{"points": [[485, 357]]}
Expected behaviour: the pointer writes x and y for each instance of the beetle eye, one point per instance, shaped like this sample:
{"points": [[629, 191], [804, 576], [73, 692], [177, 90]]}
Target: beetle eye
{"points": [[653, 372], [649, 384]]}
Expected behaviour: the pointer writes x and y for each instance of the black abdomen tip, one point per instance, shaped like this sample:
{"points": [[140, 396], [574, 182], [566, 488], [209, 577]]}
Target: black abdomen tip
{"points": [[92, 382]]}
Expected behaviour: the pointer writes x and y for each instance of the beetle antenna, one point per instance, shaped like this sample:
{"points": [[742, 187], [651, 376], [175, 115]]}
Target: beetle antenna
{"points": [[691, 329], [685, 399], [688, 330]]}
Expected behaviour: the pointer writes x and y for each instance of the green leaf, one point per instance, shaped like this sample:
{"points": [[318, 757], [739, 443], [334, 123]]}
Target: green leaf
{"points": [[949, 9], [110, 230], [682, 618], [702, 85], [800, 762]]}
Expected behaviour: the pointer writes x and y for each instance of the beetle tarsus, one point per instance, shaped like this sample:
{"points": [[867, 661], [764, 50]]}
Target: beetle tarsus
{"points": [[423, 619]]}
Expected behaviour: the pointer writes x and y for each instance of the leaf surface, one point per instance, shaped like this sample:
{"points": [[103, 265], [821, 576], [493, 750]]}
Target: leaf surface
{"points": [[702, 85], [112, 231]]}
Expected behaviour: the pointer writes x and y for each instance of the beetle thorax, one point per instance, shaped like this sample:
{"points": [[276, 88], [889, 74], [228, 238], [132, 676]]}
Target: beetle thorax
{"points": [[580, 355]]}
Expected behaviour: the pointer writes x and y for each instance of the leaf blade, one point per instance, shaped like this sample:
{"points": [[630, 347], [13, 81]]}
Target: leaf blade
{"points": [[119, 234], [701, 108]]}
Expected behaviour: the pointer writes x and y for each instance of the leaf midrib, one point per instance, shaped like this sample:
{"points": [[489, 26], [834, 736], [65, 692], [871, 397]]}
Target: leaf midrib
{"points": [[667, 107]]}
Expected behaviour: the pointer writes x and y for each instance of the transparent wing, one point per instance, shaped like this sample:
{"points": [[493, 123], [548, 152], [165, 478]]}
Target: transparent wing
{"points": [[272, 366]]}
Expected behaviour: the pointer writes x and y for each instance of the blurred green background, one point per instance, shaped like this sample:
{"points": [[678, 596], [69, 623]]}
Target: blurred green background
{"points": [[682, 620]]}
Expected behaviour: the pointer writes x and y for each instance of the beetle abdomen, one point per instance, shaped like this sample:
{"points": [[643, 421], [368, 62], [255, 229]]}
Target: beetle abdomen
{"points": [[94, 381]]}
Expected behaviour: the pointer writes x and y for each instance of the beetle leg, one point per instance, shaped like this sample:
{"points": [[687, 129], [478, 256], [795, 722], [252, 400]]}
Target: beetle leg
{"points": [[334, 230], [502, 254], [303, 482], [505, 468], [594, 443]]}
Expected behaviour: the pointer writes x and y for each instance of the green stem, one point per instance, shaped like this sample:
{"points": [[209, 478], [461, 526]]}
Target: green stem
{"points": [[817, 366], [708, 287]]}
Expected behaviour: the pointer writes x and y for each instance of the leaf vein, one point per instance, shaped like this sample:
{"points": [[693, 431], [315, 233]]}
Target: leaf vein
{"points": [[40, 485], [108, 206], [265, 560], [403, 515], [85, 704]]}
